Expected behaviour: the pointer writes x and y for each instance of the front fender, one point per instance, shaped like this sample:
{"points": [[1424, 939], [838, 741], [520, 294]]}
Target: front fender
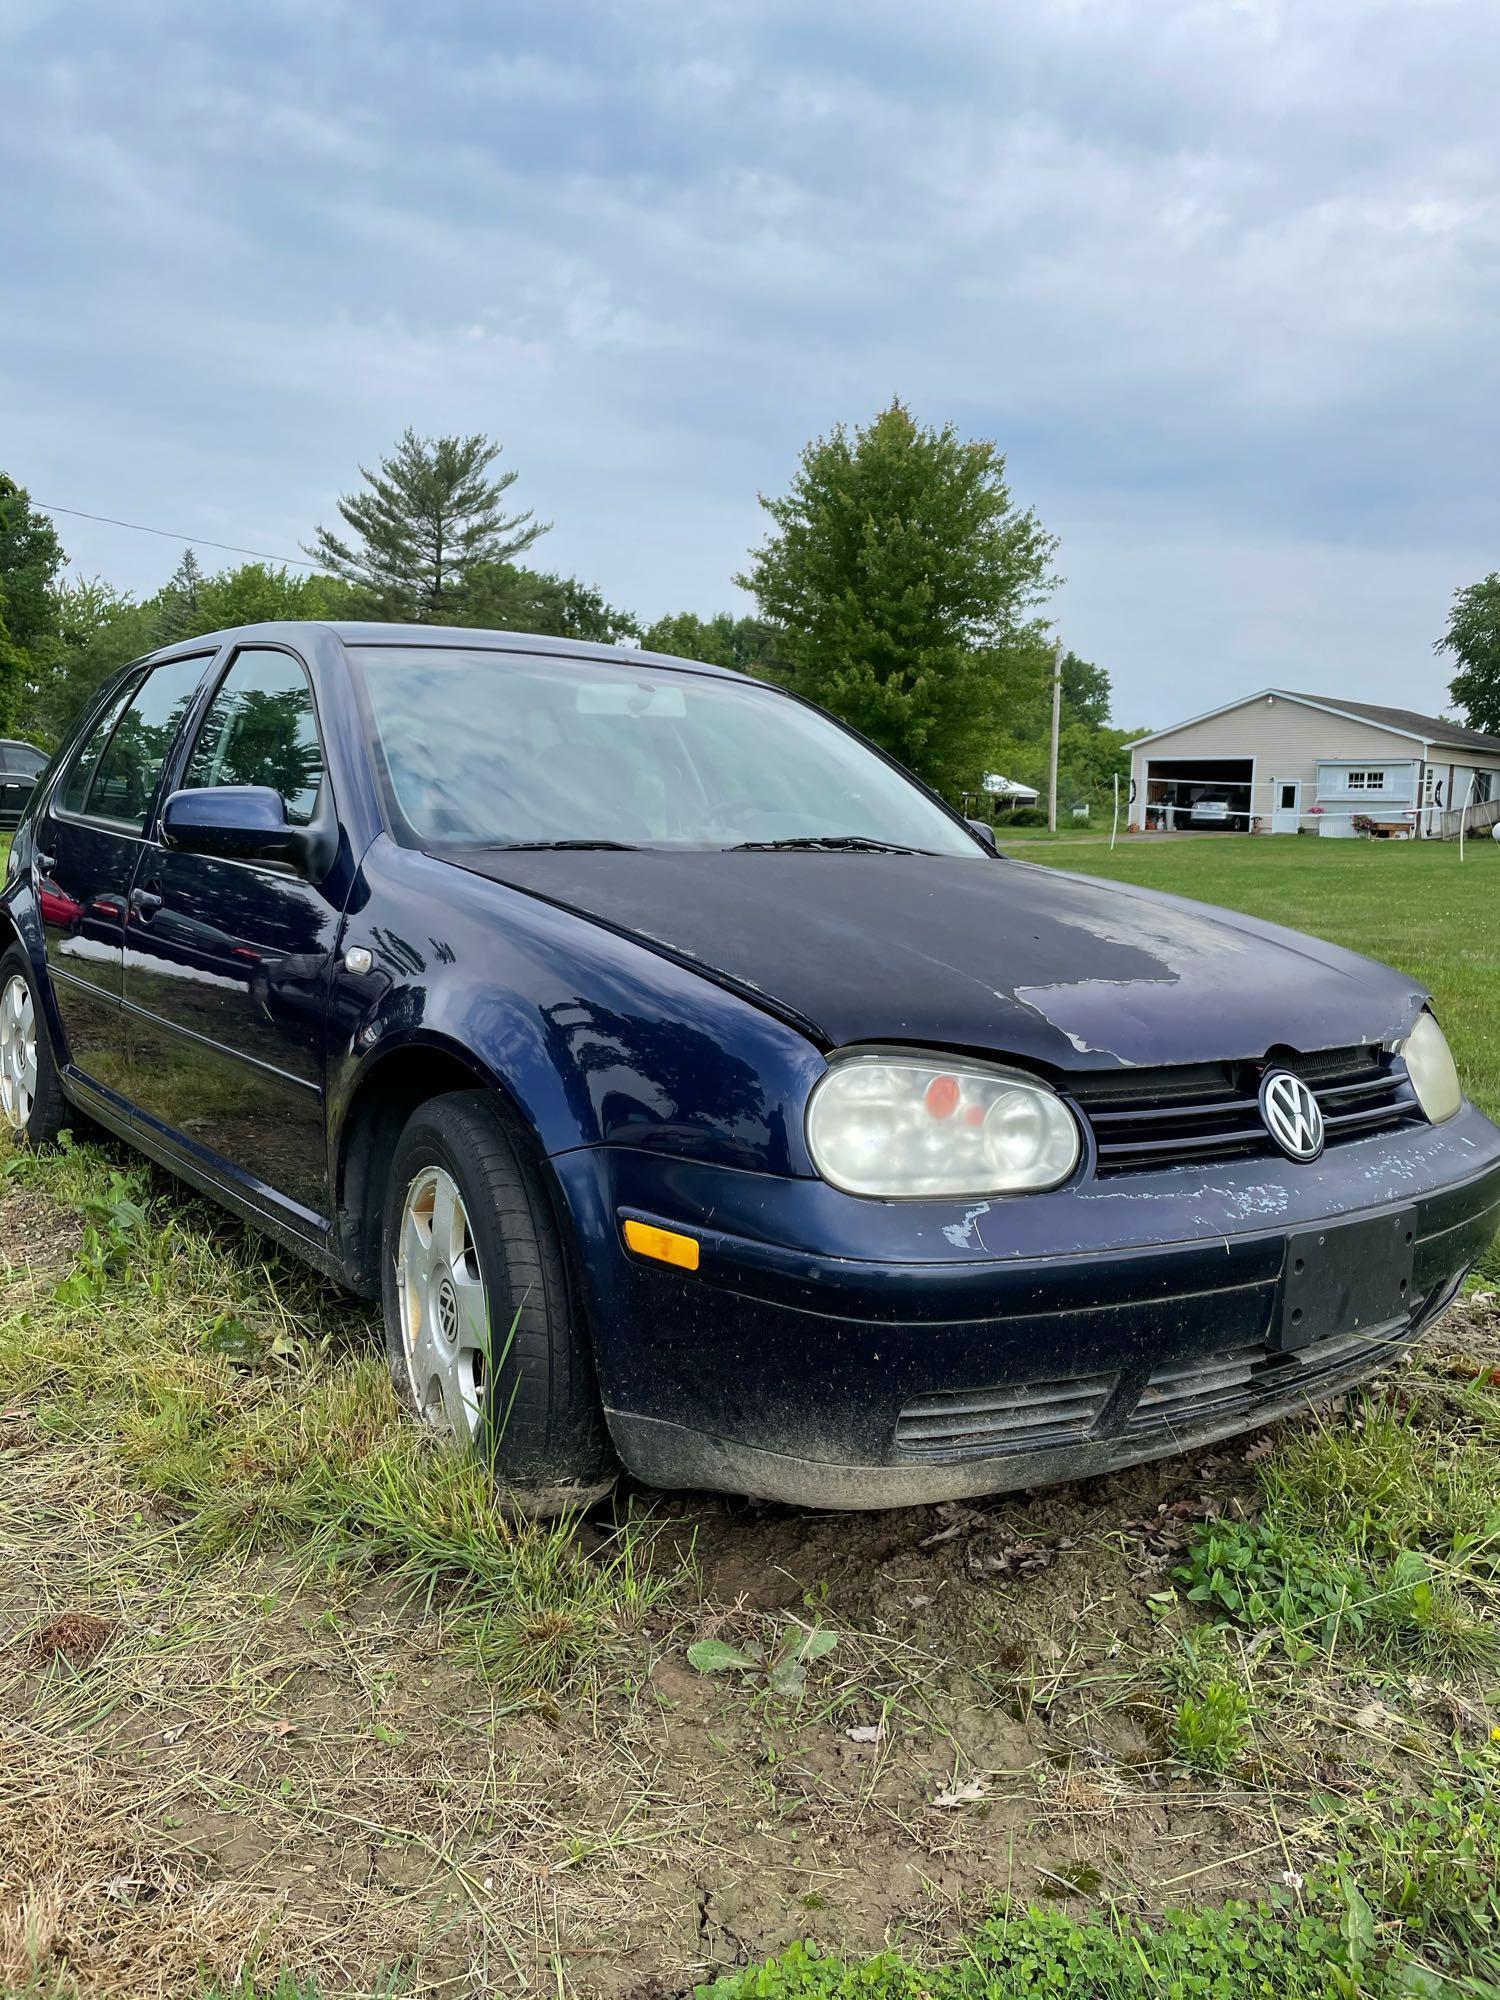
{"points": [[595, 1039]]}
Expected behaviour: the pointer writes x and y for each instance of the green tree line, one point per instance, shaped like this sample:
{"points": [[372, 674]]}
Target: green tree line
{"points": [[899, 584]]}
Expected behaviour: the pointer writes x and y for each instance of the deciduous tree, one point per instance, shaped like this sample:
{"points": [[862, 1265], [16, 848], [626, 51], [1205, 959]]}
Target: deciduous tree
{"points": [[508, 597], [905, 581], [1473, 638], [749, 645], [30, 558]]}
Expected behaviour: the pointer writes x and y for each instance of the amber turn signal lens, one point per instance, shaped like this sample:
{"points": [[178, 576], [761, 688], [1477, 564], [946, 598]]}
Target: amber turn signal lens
{"points": [[665, 1245]]}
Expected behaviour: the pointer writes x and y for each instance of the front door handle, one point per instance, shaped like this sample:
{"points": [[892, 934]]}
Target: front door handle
{"points": [[145, 903]]}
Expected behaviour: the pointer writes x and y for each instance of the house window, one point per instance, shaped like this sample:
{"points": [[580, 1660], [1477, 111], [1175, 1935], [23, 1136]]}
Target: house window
{"points": [[1367, 781]]}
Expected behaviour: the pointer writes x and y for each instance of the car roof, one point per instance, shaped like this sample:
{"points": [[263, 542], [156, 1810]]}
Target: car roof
{"points": [[478, 638]]}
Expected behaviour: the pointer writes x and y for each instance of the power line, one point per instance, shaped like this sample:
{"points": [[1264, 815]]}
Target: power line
{"points": [[196, 541]]}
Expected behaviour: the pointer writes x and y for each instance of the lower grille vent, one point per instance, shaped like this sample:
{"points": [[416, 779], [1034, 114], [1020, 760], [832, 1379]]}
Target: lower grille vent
{"points": [[1182, 1394], [1184, 1391], [1022, 1416]]}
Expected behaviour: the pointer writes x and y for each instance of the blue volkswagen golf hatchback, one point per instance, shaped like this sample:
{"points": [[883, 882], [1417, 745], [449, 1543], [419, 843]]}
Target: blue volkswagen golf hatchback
{"points": [[698, 1093]]}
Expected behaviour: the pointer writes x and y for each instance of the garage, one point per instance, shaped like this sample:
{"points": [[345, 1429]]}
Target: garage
{"points": [[1208, 794]]}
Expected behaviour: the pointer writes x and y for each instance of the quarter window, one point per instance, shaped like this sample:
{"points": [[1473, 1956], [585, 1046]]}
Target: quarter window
{"points": [[124, 781], [260, 730]]}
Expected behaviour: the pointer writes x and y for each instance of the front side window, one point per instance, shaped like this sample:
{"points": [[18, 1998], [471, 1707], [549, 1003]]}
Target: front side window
{"points": [[86, 758], [493, 750], [260, 730], [124, 782]]}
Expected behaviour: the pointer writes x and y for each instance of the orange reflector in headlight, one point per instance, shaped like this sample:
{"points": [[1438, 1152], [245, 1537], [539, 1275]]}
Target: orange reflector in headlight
{"points": [[665, 1245]]}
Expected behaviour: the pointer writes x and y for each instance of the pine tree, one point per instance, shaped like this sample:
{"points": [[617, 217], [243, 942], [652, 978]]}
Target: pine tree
{"points": [[904, 580], [424, 520], [181, 601]]}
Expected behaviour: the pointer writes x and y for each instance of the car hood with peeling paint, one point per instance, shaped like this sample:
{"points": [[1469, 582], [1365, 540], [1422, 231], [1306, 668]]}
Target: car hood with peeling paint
{"points": [[986, 955]]}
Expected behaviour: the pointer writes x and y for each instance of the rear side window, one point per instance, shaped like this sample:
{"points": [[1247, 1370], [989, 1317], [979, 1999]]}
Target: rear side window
{"points": [[123, 781], [260, 730]]}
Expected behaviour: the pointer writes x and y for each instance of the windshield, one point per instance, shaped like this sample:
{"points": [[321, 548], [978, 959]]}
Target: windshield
{"points": [[495, 749]]}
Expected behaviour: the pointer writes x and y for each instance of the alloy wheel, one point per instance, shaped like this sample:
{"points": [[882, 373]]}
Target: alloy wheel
{"points": [[17, 1053], [445, 1317]]}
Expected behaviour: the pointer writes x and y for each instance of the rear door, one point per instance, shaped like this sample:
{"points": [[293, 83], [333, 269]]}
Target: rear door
{"points": [[226, 976], [88, 839]]}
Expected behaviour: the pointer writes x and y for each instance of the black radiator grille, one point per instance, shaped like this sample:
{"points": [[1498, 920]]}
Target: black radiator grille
{"points": [[1211, 1111]]}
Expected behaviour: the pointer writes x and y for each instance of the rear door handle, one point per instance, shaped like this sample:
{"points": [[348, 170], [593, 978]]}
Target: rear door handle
{"points": [[145, 903]]}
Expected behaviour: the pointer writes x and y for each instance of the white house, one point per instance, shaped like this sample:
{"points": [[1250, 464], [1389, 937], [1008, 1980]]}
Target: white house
{"points": [[1286, 761]]}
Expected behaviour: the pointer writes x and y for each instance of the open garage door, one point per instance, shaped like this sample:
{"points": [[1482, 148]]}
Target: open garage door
{"points": [[1206, 794]]}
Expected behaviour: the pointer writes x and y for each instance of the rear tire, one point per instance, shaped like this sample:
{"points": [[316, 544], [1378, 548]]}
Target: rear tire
{"points": [[31, 1098], [484, 1333]]}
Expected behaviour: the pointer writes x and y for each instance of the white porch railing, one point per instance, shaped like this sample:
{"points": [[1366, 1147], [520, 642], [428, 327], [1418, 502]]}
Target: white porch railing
{"points": [[1473, 819]]}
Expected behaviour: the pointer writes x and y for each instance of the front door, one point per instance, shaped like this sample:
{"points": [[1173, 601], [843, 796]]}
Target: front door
{"points": [[1286, 805], [88, 839], [227, 971]]}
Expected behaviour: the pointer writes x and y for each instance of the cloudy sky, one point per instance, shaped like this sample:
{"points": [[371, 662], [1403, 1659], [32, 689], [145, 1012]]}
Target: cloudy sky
{"points": [[1222, 278]]}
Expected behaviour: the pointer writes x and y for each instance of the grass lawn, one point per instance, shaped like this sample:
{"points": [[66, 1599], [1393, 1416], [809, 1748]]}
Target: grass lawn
{"points": [[289, 1710]]}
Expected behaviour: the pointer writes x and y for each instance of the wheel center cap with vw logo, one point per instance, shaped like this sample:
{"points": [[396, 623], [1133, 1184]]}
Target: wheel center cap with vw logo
{"points": [[1291, 1114]]}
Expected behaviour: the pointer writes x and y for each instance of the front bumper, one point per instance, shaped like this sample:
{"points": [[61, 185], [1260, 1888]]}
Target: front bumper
{"points": [[837, 1352]]}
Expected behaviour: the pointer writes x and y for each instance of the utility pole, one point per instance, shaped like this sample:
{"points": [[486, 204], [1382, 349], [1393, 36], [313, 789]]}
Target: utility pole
{"points": [[1056, 725]]}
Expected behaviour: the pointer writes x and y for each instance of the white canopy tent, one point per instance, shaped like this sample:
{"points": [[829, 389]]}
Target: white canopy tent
{"points": [[1010, 791]]}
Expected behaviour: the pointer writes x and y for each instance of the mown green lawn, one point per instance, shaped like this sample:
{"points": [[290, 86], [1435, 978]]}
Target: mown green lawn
{"points": [[1409, 903]]}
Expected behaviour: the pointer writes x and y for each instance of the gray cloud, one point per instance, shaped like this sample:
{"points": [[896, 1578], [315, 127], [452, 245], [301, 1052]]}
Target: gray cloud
{"points": [[1221, 278]]}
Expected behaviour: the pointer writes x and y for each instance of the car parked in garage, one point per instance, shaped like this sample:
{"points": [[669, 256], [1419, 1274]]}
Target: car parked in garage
{"points": [[698, 1092], [1214, 809], [21, 764]]}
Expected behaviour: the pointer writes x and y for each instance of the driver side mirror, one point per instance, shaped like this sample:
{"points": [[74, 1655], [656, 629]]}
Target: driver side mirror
{"points": [[247, 823], [985, 832]]}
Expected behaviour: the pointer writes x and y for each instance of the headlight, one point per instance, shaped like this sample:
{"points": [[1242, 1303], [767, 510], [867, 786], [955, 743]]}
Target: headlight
{"points": [[1429, 1064], [895, 1125]]}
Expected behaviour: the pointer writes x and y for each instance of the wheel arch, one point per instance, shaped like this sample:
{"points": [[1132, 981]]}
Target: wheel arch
{"points": [[385, 1094]]}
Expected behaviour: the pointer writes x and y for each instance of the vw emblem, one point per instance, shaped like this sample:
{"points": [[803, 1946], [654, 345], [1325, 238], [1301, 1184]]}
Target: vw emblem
{"points": [[447, 1305], [1291, 1114]]}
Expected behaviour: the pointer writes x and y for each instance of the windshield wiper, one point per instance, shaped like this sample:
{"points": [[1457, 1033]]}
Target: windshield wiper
{"points": [[831, 843], [546, 846]]}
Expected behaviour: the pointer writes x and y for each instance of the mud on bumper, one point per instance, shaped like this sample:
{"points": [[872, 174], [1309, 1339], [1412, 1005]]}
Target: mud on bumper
{"points": [[834, 1381], [1034, 1433]]}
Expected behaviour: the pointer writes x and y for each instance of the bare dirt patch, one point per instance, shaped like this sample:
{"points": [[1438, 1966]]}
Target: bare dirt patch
{"points": [[320, 1776], [208, 1764]]}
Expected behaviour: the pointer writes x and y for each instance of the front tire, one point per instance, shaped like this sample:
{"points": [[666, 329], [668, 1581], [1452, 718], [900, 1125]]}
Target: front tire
{"points": [[31, 1099], [483, 1330]]}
